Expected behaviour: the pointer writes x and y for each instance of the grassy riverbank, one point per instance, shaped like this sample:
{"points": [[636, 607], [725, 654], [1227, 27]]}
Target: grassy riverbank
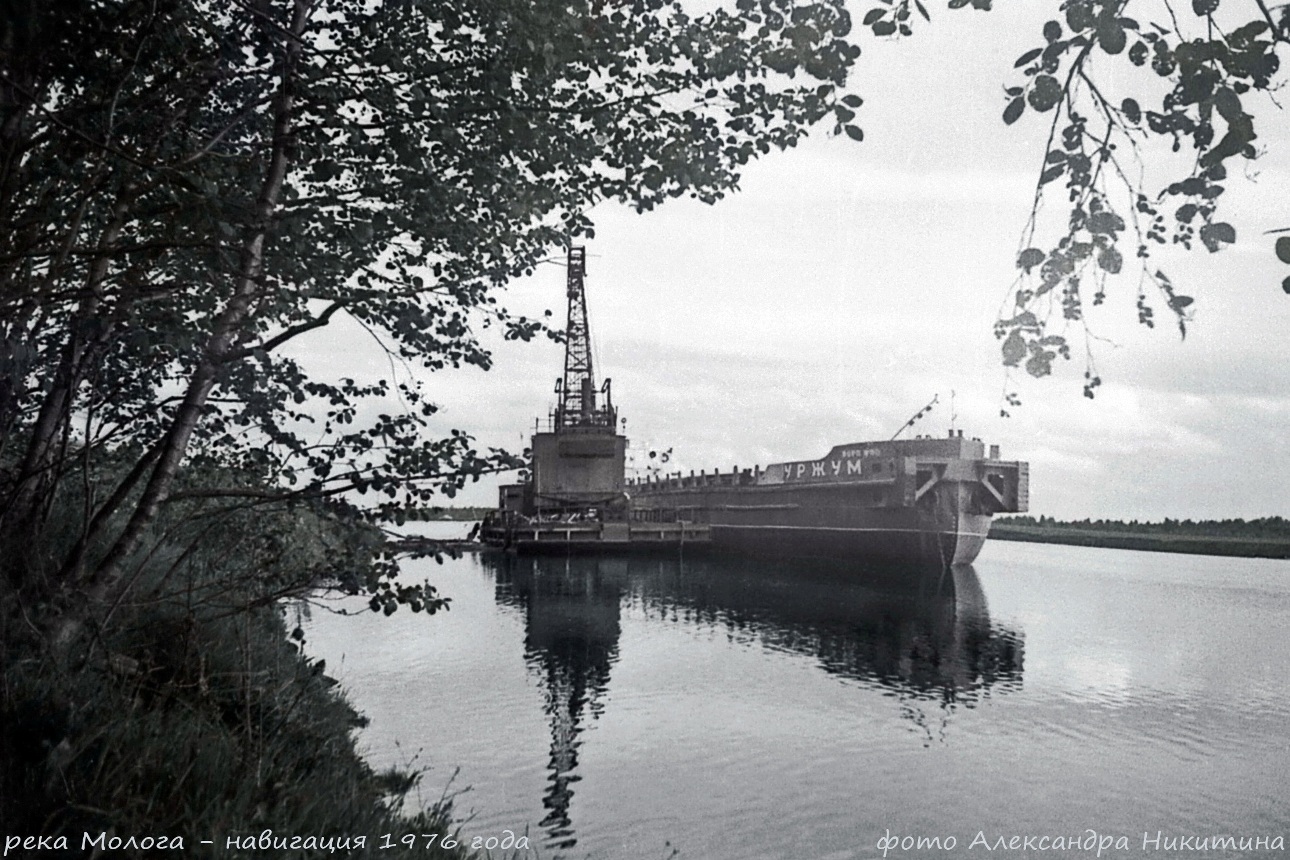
{"points": [[1247, 540], [197, 716], [202, 729]]}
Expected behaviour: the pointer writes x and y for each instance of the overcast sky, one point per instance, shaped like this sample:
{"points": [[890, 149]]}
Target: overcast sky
{"points": [[848, 283]]}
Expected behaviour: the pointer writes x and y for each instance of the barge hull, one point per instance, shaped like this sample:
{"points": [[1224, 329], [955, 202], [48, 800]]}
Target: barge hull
{"points": [[925, 501], [921, 545]]}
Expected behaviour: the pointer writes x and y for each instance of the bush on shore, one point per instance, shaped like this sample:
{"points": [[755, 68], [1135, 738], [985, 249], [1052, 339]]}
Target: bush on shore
{"points": [[193, 713]]}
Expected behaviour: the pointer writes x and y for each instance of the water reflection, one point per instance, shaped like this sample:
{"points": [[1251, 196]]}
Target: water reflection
{"points": [[571, 609], [922, 637]]}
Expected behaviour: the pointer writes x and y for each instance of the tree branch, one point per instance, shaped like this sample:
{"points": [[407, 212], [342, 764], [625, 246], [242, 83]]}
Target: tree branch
{"points": [[1277, 33], [279, 339], [106, 580]]}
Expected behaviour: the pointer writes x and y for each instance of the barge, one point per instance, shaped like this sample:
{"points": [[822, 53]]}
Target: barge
{"points": [[922, 500]]}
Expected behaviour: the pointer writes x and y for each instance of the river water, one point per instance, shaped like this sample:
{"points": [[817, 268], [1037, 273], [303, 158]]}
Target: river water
{"points": [[650, 708]]}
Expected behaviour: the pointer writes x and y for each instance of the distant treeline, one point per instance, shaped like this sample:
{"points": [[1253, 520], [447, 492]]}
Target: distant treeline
{"points": [[1263, 527], [1266, 537]]}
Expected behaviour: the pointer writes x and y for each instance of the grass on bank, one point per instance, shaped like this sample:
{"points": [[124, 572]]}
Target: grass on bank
{"points": [[194, 714]]}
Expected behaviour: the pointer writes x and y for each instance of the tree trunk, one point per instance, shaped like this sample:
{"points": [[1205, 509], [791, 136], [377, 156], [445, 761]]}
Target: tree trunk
{"points": [[106, 582], [23, 517]]}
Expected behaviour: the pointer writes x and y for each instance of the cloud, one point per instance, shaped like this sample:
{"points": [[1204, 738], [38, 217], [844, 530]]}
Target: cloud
{"points": [[846, 284]]}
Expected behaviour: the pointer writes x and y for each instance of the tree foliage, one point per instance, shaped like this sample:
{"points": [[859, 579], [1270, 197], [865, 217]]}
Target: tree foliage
{"points": [[1120, 85], [186, 187]]}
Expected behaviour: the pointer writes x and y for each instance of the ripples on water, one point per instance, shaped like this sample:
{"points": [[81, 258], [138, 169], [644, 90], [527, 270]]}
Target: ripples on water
{"points": [[629, 707]]}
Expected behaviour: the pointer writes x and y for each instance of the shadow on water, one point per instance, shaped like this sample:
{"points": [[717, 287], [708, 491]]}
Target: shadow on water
{"points": [[921, 636]]}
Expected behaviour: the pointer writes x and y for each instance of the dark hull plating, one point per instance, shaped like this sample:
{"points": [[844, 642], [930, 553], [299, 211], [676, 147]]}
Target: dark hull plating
{"points": [[926, 501], [834, 521]]}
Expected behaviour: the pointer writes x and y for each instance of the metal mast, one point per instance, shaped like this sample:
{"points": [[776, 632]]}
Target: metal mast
{"points": [[577, 406]]}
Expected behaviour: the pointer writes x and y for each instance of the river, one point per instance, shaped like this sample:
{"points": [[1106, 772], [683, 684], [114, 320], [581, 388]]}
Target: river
{"points": [[650, 708]]}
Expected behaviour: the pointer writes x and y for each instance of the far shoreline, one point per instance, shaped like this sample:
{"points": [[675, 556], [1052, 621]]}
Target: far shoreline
{"points": [[1198, 544], [1170, 536]]}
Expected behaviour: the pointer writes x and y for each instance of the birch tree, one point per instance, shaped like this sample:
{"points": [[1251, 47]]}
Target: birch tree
{"points": [[186, 187]]}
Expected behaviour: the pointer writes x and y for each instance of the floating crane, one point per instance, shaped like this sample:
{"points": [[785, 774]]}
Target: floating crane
{"points": [[579, 456], [576, 495]]}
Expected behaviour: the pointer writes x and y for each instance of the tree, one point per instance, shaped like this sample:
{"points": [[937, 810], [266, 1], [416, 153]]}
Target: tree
{"points": [[1126, 83], [186, 187]]}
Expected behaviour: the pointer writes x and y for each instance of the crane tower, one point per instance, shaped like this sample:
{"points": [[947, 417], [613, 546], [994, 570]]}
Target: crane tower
{"points": [[577, 391], [579, 457]]}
